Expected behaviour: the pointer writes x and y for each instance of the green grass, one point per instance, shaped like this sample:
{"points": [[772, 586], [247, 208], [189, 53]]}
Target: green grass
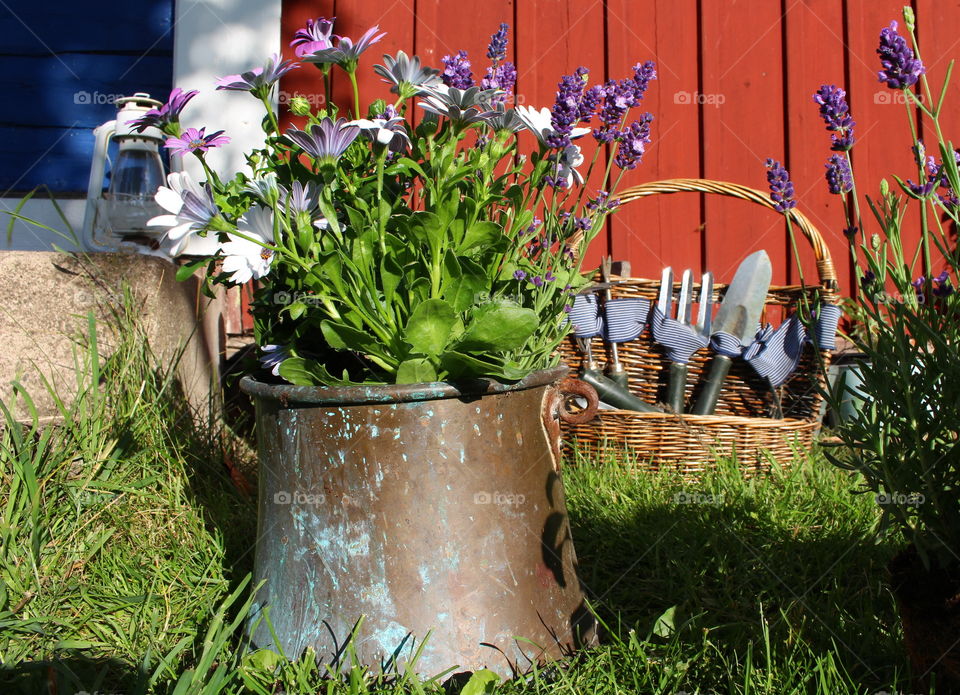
{"points": [[125, 553]]}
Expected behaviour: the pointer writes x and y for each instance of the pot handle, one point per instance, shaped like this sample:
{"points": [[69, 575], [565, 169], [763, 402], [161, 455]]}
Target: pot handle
{"points": [[570, 388], [556, 408]]}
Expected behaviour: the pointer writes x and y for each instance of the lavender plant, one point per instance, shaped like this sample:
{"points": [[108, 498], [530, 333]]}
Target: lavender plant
{"points": [[388, 252], [904, 442]]}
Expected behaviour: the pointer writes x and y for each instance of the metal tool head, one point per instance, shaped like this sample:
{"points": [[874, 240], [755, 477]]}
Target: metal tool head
{"points": [[666, 291], [686, 297], [705, 312], [748, 291]]}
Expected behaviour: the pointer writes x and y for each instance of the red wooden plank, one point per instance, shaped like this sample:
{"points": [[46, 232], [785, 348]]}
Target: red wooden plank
{"points": [[816, 23], [353, 19], [554, 37], [883, 136], [665, 230], [939, 44], [306, 80], [742, 67]]}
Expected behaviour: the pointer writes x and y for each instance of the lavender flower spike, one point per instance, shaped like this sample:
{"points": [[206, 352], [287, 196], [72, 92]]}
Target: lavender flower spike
{"points": [[259, 80], [781, 189], [316, 36], [325, 141], [566, 110], [634, 143], [456, 71], [839, 178], [497, 50], [900, 68], [836, 116]]}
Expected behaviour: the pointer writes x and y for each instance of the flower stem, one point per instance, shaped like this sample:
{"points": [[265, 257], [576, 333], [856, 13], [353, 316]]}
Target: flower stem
{"points": [[356, 93]]}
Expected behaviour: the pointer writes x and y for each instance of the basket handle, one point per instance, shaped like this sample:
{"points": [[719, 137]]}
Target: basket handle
{"points": [[825, 270]]}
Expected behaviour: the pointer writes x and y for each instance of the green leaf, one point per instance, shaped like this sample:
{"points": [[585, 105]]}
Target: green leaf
{"points": [[343, 337], [498, 326], [426, 227], [463, 281], [664, 626], [481, 683], [188, 269], [296, 309], [416, 370], [390, 276], [459, 365], [429, 327], [481, 234], [303, 372]]}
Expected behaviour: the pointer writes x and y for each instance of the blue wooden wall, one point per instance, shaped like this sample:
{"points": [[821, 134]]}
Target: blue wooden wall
{"points": [[62, 62]]}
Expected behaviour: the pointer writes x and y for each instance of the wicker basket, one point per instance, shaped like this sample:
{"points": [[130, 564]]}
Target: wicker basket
{"points": [[742, 424]]}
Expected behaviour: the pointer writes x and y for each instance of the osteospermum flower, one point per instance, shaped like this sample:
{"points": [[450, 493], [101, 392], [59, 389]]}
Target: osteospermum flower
{"points": [[407, 75], [346, 53], [301, 198], [567, 162], [900, 68], [316, 36], [190, 205], [258, 81], [781, 188], [248, 259], [273, 356], [194, 140], [461, 106], [539, 122], [327, 140], [168, 114], [387, 130]]}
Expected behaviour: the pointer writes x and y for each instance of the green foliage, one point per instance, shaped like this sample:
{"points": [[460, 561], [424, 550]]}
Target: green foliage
{"points": [[904, 442]]}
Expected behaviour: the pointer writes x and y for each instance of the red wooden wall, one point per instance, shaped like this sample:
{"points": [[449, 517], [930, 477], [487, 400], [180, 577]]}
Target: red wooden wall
{"points": [[736, 79]]}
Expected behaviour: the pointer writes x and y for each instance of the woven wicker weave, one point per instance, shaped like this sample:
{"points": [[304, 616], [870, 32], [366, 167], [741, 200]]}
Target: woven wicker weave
{"points": [[742, 422]]}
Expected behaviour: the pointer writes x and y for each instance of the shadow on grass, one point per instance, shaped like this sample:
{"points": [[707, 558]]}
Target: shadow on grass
{"points": [[790, 557]]}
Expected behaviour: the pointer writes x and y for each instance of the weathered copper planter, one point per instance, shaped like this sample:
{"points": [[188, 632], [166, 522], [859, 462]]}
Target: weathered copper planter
{"points": [[424, 508]]}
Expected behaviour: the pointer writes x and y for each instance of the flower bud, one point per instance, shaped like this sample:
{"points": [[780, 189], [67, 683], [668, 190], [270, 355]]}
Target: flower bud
{"points": [[908, 18], [875, 241], [884, 188], [300, 106]]}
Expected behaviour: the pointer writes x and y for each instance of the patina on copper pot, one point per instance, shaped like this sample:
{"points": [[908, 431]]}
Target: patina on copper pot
{"points": [[422, 508]]}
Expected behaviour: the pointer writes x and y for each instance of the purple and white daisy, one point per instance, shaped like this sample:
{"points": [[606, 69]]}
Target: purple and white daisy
{"points": [[408, 76], [190, 205], [325, 141], [167, 114], [461, 106], [259, 80], [387, 130], [249, 259], [194, 140], [273, 356], [540, 124], [346, 53], [316, 36]]}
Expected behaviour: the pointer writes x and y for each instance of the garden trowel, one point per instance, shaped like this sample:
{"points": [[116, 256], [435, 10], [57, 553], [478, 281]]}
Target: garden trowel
{"points": [[739, 315]]}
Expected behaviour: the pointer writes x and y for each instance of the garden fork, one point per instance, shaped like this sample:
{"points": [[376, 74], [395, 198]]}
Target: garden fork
{"points": [[678, 370]]}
